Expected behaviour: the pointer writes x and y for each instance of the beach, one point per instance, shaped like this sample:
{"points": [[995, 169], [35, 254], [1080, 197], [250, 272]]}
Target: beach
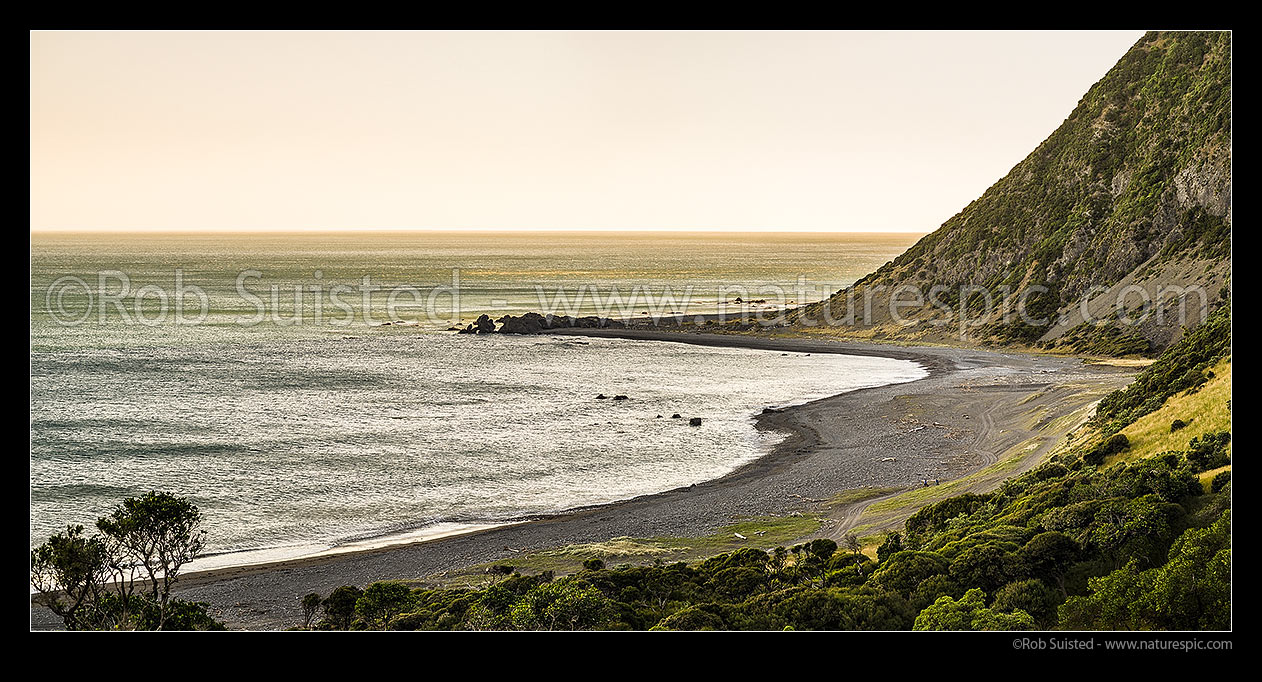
{"points": [[974, 409]]}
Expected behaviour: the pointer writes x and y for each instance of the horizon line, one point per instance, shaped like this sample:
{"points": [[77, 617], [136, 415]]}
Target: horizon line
{"points": [[497, 230]]}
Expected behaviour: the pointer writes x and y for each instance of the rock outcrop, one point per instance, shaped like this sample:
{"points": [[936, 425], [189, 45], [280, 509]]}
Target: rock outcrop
{"points": [[483, 325], [534, 323]]}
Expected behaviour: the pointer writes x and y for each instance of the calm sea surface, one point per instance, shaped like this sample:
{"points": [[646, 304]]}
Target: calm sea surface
{"points": [[255, 374]]}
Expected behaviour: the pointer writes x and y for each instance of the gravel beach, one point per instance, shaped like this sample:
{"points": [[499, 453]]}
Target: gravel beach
{"points": [[973, 407]]}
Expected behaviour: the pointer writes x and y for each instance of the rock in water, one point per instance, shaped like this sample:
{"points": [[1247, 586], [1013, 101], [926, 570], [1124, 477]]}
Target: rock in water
{"points": [[534, 323], [695, 421]]}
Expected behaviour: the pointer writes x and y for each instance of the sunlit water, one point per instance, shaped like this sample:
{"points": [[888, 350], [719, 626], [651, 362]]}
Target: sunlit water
{"points": [[298, 439]]}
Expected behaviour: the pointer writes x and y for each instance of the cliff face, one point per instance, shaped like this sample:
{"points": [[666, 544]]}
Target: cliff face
{"points": [[1130, 196]]}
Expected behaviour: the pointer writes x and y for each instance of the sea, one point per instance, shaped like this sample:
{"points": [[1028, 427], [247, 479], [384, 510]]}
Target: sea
{"points": [[305, 391]]}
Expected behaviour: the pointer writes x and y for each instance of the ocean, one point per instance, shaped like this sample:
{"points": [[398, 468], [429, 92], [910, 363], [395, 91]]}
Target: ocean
{"points": [[316, 403]]}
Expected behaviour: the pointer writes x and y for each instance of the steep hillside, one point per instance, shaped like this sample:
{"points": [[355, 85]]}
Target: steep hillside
{"points": [[1129, 196]]}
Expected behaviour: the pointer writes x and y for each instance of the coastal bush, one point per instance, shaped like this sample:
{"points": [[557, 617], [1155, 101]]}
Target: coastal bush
{"points": [[970, 613], [381, 601], [905, 570], [1191, 591], [1112, 445], [983, 566], [567, 604], [1138, 544], [1209, 451], [310, 605], [1032, 596], [893, 545], [339, 608]]}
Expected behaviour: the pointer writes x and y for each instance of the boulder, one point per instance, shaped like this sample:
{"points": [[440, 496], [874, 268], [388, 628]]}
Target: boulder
{"points": [[695, 421]]}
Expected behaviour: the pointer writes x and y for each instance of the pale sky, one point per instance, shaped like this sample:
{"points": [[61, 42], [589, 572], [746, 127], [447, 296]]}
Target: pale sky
{"points": [[812, 131]]}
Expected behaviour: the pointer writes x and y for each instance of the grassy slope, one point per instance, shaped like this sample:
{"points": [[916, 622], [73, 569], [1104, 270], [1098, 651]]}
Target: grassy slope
{"points": [[1204, 411]]}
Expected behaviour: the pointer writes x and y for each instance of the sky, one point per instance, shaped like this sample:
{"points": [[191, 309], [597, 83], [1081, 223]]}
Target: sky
{"points": [[780, 131]]}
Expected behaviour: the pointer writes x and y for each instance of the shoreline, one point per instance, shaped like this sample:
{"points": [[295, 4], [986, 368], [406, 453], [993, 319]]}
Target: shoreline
{"points": [[829, 448], [762, 420]]}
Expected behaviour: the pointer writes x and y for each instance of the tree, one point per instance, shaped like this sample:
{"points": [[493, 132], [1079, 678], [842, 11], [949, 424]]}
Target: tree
{"points": [[310, 604], [893, 545], [382, 601], [1032, 596], [569, 604], [339, 608], [70, 572], [92, 582], [982, 566], [853, 543], [160, 533], [1047, 555], [904, 571]]}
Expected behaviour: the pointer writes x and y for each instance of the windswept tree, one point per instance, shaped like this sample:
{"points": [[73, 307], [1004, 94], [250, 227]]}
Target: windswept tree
{"points": [[121, 578], [70, 571], [160, 533], [310, 605]]}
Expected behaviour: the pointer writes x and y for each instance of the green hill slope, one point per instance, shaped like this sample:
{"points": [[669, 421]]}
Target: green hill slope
{"points": [[1131, 194]]}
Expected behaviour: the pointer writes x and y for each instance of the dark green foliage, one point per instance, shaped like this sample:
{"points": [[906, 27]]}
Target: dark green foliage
{"points": [[1192, 591], [1177, 425], [1032, 596], [692, 618], [310, 604], [904, 571], [933, 518], [1209, 451], [984, 566], [593, 565], [1109, 446], [381, 602], [339, 608], [1108, 339], [1220, 481], [177, 614], [76, 565], [893, 545], [566, 604]]}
